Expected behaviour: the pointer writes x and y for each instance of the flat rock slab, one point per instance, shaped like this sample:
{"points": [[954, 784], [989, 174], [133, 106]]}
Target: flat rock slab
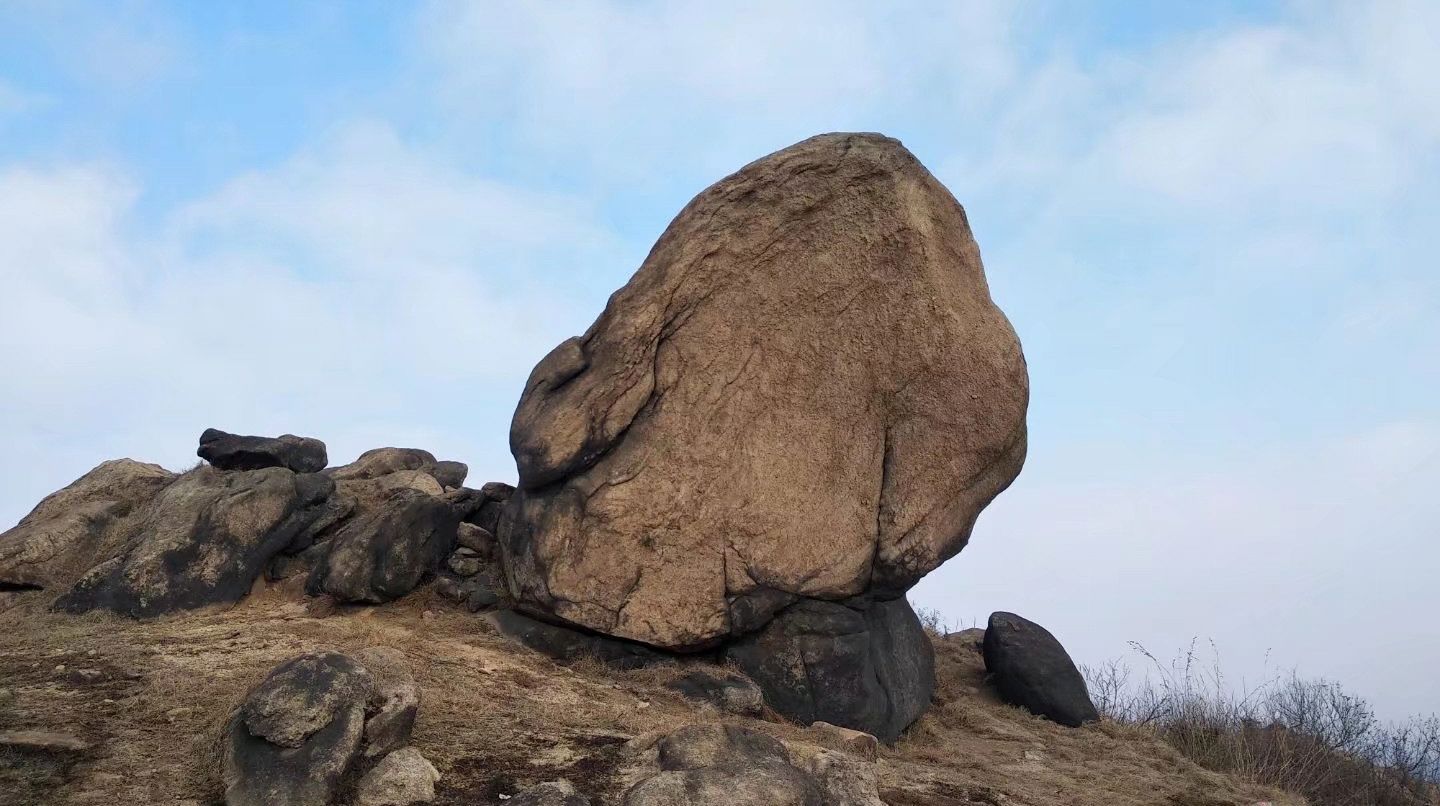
{"points": [[235, 452]]}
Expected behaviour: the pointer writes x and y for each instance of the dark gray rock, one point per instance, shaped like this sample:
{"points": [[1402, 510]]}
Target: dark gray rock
{"points": [[1031, 669], [568, 645], [204, 540], [297, 733], [387, 551], [235, 452], [450, 474], [730, 693], [866, 667], [497, 494]]}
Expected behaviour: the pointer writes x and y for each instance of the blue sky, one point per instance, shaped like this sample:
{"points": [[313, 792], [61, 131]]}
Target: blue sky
{"points": [[1213, 225]]}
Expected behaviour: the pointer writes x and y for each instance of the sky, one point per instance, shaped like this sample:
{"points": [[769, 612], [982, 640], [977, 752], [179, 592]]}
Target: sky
{"points": [[1213, 225]]}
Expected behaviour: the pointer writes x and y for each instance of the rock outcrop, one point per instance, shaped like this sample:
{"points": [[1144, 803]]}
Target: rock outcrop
{"points": [[69, 531], [804, 392], [205, 539], [1031, 669]]}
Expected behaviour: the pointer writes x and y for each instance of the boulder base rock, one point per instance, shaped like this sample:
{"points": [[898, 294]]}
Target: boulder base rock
{"points": [[805, 389], [869, 668], [234, 452], [1032, 670], [204, 540], [568, 645]]}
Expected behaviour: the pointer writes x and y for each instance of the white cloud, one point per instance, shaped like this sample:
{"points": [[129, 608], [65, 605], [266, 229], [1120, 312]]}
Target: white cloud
{"points": [[363, 292], [1313, 554]]}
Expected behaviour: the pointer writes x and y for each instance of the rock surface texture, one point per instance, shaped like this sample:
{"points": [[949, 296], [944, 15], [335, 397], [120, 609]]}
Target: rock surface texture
{"points": [[870, 668], [1032, 670], [804, 392], [204, 539], [68, 531]]}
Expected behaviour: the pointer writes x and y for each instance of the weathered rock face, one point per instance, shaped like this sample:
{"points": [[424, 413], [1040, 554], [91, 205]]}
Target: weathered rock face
{"points": [[235, 452], [869, 667], [387, 552], [204, 539], [68, 531], [1032, 670], [805, 391]]}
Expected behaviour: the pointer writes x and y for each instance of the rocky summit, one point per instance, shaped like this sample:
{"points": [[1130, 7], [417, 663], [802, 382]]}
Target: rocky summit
{"points": [[695, 594]]}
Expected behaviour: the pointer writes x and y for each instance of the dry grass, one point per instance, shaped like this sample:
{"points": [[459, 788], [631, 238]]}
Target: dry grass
{"points": [[1306, 736], [495, 717]]}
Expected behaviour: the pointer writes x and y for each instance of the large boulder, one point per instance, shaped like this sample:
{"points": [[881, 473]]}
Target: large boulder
{"points": [[805, 390], [205, 539], [235, 452], [318, 720], [868, 667], [297, 733], [68, 531], [1031, 669]]}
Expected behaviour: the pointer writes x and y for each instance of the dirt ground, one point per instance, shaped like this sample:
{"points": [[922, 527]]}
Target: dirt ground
{"points": [[494, 716]]}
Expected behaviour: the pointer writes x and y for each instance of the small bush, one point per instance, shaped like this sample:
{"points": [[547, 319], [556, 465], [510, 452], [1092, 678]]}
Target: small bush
{"points": [[1308, 736]]}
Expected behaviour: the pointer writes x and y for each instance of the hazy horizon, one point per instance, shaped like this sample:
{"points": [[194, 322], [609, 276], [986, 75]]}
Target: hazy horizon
{"points": [[1213, 229]]}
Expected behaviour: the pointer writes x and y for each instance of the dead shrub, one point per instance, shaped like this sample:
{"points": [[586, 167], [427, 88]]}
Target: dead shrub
{"points": [[1308, 736]]}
